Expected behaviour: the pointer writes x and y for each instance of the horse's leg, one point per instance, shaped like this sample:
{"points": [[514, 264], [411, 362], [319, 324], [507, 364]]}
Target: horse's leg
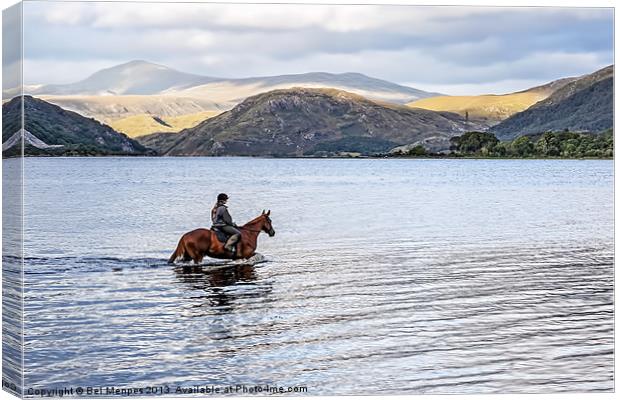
{"points": [[245, 249], [197, 256], [191, 252], [215, 248], [186, 253], [238, 250], [201, 247]]}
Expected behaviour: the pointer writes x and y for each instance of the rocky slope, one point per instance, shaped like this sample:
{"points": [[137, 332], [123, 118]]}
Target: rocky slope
{"points": [[583, 105], [49, 129], [302, 121]]}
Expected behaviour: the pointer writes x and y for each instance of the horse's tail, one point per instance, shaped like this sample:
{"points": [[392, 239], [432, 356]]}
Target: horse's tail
{"points": [[180, 251]]}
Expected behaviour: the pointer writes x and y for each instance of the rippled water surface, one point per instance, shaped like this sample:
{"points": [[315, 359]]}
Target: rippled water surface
{"points": [[384, 277]]}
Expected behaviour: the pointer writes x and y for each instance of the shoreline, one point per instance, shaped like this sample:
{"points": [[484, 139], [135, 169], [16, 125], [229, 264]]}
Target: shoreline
{"points": [[321, 158]]}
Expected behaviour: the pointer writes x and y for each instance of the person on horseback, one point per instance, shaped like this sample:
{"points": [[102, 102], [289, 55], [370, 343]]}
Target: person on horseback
{"points": [[223, 222]]}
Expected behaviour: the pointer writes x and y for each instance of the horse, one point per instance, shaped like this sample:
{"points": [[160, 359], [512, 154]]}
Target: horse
{"points": [[202, 242]]}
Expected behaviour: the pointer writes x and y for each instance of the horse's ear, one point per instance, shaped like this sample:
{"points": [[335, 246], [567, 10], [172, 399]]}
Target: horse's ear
{"points": [[268, 212], [263, 211]]}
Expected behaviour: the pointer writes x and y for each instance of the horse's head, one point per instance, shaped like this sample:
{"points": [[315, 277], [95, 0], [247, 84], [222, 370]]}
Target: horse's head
{"points": [[267, 227]]}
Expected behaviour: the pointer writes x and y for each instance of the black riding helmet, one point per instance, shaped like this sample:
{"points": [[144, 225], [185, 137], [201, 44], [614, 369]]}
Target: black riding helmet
{"points": [[222, 197]]}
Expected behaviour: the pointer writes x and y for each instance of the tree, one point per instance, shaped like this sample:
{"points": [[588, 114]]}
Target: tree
{"points": [[522, 146], [548, 145], [501, 149], [418, 150], [474, 143]]}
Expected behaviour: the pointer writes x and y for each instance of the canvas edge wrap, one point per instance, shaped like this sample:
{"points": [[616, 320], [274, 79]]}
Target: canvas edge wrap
{"points": [[12, 202]]}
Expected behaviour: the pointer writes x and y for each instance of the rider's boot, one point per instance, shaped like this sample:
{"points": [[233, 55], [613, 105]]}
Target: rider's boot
{"points": [[230, 243]]}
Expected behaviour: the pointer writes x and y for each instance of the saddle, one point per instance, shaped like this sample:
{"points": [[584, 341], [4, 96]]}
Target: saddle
{"points": [[221, 236]]}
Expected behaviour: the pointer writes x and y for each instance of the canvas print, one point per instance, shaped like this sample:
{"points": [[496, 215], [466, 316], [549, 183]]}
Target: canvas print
{"points": [[306, 199]]}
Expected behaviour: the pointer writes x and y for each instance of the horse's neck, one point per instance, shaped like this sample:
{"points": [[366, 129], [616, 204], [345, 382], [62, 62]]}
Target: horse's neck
{"points": [[252, 230]]}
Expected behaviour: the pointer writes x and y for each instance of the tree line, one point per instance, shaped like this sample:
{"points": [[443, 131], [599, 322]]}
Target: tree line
{"points": [[545, 145]]}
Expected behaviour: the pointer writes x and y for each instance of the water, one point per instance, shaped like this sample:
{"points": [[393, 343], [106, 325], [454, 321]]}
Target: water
{"points": [[384, 277]]}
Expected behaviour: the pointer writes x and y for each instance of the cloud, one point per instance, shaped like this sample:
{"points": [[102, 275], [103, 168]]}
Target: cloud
{"points": [[428, 45], [268, 17]]}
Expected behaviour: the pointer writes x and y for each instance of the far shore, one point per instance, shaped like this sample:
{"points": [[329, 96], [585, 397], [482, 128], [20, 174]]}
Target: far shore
{"points": [[373, 157]]}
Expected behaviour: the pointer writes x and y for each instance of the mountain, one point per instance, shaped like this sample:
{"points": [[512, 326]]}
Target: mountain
{"points": [[490, 107], [143, 88], [236, 90], [578, 84], [135, 77], [144, 78], [52, 130], [582, 105], [302, 121]]}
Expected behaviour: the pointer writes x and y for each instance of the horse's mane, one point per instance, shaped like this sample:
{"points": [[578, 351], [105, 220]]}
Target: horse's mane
{"points": [[254, 221]]}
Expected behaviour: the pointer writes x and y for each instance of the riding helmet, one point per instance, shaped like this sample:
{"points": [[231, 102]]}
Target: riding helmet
{"points": [[222, 196]]}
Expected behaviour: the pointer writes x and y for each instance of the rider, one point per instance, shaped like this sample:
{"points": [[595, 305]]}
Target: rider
{"points": [[223, 221]]}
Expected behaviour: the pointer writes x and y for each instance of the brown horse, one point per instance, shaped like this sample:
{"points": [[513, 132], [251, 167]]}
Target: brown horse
{"points": [[198, 243]]}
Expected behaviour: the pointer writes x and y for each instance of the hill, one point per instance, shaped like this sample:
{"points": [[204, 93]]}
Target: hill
{"points": [[132, 78], [583, 105], [490, 107], [144, 124], [51, 130], [302, 121], [113, 108]]}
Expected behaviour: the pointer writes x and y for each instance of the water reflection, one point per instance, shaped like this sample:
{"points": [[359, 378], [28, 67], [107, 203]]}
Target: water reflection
{"points": [[212, 284], [201, 277]]}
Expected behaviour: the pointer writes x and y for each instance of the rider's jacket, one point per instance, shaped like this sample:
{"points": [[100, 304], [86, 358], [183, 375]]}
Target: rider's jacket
{"points": [[221, 217]]}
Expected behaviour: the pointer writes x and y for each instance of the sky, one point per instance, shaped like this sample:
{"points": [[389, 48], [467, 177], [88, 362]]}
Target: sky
{"points": [[452, 50]]}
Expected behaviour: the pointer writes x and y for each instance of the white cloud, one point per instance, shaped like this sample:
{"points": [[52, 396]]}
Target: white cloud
{"points": [[338, 18], [63, 13], [452, 47]]}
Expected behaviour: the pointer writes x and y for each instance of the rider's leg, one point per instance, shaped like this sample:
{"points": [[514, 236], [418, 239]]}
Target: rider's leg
{"points": [[233, 239]]}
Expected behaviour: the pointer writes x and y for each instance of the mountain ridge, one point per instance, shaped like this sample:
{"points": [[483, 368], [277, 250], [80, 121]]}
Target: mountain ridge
{"points": [[140, 77], [139, 87], [112, 95], [354, 81], [492, 107], [583, 105], [302, 121], [137, 77]]}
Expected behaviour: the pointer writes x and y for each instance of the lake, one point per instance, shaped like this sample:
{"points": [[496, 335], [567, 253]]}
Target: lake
{"points": [[385, 276]]}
